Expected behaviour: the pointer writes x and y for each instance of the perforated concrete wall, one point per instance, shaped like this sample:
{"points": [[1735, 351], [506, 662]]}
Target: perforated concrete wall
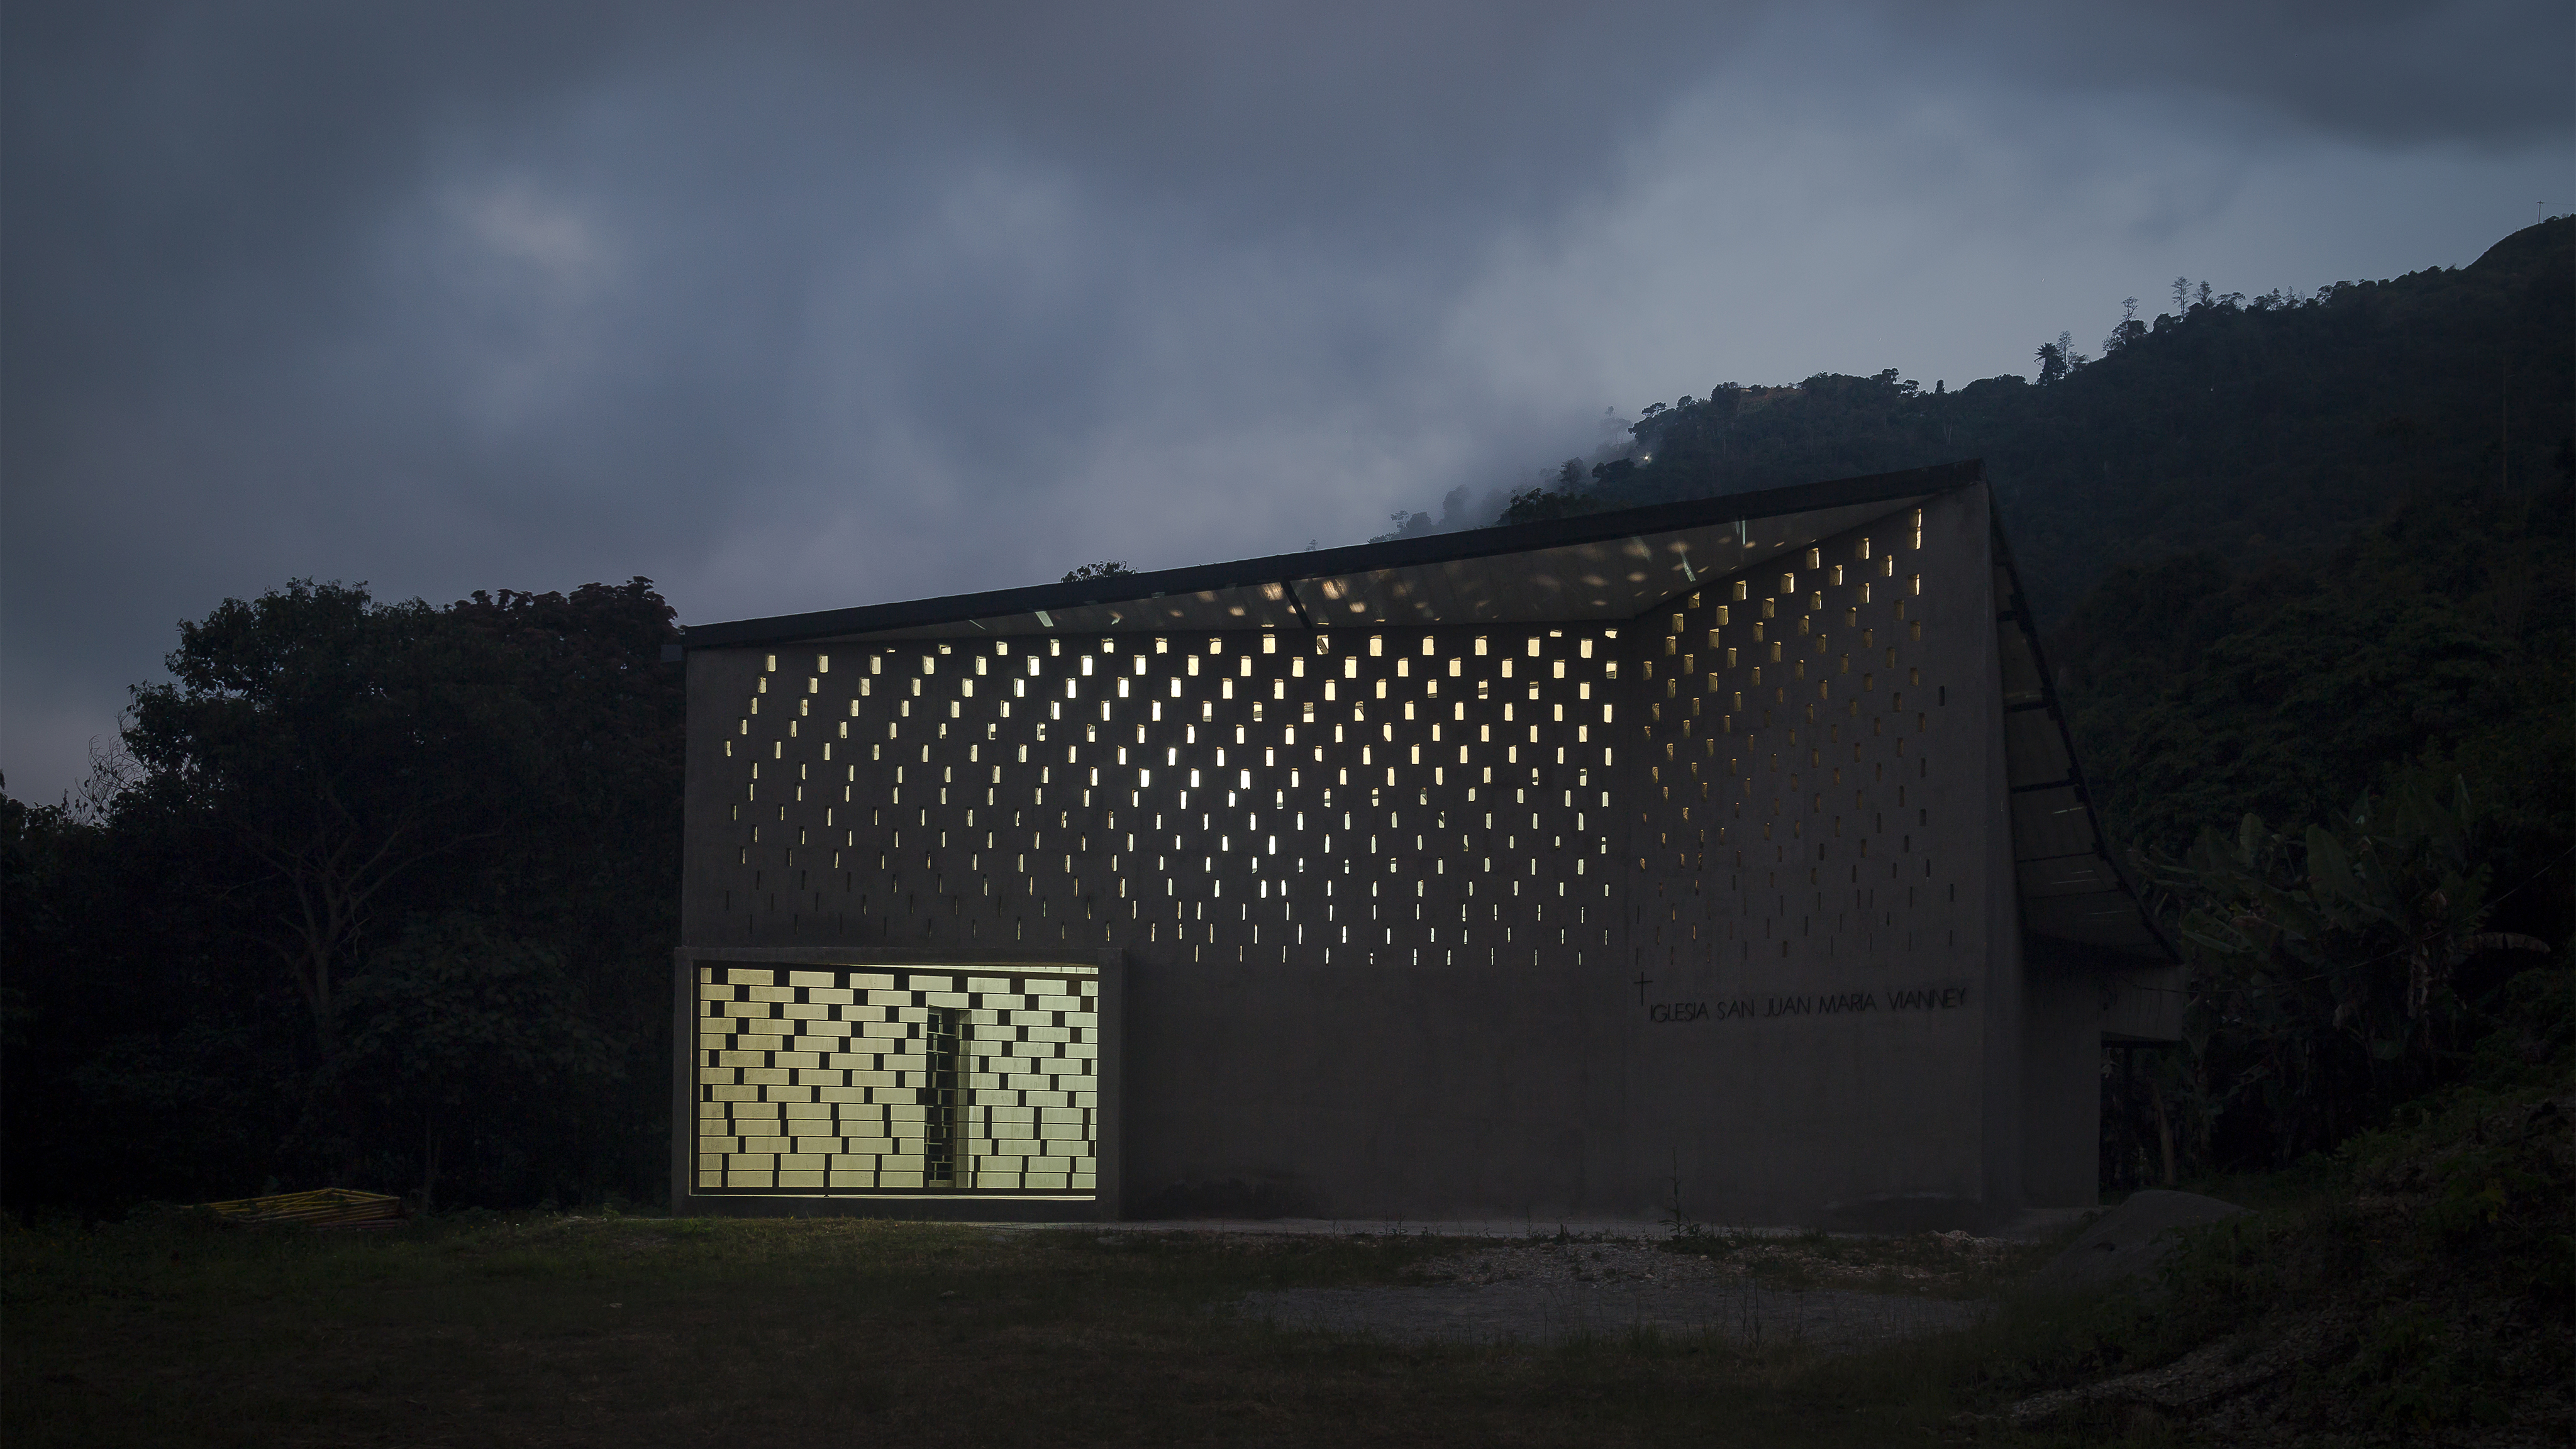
{"points": [[1481, 919], [1787, 806], [1235, 798]]}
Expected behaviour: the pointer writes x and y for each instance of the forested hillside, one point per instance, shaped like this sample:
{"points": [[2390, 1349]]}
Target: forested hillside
{"points": [[2237, 428], [2442, 636], [2351, 780]]}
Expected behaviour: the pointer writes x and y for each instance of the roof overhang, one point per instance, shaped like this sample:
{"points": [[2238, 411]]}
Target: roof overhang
{"points": [[2072, 889], [1606, 566]]}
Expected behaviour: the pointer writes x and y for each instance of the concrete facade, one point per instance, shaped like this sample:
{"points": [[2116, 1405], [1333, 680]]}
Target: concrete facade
{"points": [[1724, 859]]}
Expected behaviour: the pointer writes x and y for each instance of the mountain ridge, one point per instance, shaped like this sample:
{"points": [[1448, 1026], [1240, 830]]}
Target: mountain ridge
{"points": [[2240, 429]]}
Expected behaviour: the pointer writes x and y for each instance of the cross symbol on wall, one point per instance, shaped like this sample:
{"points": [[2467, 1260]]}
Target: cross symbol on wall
{"points": [[1643, 981]]}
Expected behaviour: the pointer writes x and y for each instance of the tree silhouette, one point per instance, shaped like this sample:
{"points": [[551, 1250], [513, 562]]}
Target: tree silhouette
{"points": [[2052, 364]]}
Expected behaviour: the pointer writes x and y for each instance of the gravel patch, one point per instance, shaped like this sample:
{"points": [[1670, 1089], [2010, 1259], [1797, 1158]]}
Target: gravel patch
{"points": [[1551, 1291]]}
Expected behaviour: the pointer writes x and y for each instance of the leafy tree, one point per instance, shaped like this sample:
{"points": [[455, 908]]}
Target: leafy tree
{"points": [[323, 775], [2129, 329], [326, 748], [1089, 571]]}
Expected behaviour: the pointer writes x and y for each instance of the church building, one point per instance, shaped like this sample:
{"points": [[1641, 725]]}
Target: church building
{"points": [[1727, 855]]}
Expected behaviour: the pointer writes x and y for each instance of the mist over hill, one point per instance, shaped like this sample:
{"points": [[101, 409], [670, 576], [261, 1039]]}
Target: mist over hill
{"points": [[2241, 429]]}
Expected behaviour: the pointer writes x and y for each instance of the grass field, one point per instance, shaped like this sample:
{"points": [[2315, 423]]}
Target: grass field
{"points": [[568, 1330]]}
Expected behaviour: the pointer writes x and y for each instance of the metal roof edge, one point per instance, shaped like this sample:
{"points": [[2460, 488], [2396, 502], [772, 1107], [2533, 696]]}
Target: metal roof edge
{"points": [[1350, 559], [2018, 614]]}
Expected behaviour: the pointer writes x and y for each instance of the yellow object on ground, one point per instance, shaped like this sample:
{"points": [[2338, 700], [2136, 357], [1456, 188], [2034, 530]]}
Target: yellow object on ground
{"points": [[322, 1207]]}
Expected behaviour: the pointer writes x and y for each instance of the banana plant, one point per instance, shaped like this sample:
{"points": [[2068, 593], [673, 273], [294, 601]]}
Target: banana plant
{"points": [[2323, 961]]}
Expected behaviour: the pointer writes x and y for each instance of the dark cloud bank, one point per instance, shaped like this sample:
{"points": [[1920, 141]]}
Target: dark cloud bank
{"points": [[798, 306]]}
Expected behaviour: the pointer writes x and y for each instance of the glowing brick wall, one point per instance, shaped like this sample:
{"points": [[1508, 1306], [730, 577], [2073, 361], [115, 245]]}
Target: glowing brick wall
{"points": [[978, 1080], [1788, 748], [1369, 797]]}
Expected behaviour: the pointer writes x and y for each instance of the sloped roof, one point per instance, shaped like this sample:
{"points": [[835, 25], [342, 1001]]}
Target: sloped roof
{"points": [[1609, 566]]}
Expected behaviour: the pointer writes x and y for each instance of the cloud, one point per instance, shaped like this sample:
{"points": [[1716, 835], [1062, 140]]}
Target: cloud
{"points": [[795, 306], [2487, 75]]}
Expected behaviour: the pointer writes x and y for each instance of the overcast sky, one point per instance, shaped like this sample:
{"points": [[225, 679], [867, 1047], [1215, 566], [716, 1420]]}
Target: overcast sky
{"points": [[796, 307]]}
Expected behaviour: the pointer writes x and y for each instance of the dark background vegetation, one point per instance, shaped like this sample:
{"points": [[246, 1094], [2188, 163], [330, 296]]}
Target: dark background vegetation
{"points": [[382, 897], [381, 894]]}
